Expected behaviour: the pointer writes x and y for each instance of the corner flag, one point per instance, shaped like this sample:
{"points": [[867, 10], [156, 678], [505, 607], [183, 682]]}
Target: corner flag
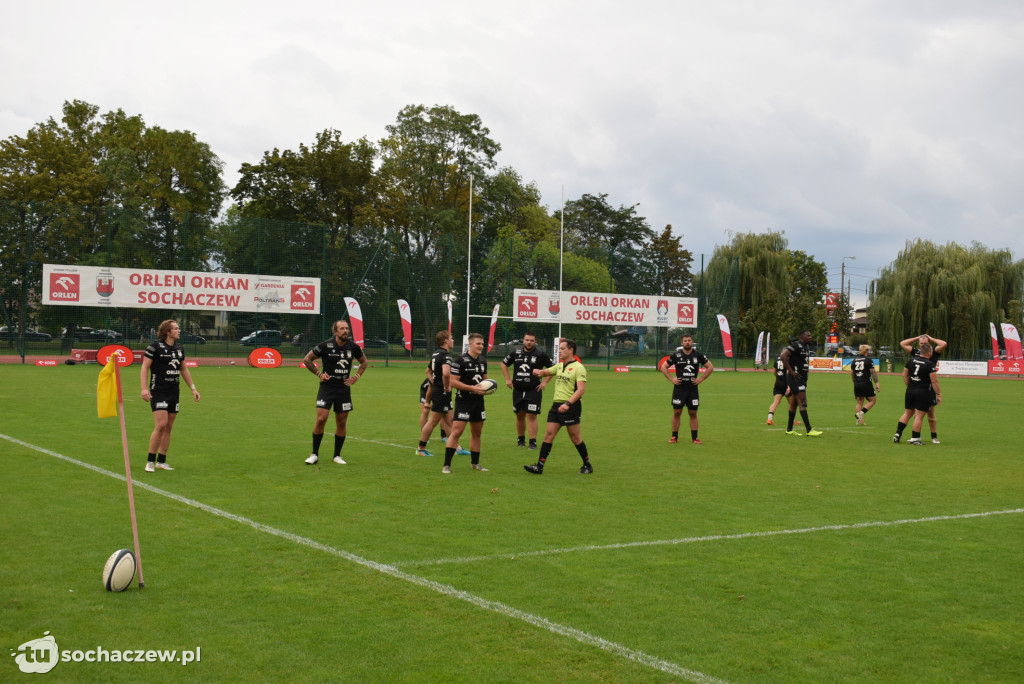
{"points": [[106, 390]]}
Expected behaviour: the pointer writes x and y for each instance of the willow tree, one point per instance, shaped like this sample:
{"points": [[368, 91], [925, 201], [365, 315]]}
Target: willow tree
{"points": [[749, 281], [948, 291]]}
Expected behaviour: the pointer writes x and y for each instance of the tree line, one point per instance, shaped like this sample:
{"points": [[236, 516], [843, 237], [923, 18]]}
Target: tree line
{"points": [[413, 186]]}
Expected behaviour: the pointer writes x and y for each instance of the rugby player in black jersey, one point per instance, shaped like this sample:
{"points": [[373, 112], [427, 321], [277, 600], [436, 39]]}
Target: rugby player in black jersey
{"points": [[688, 362], [163, 364], [336, 379], [526, 388]]}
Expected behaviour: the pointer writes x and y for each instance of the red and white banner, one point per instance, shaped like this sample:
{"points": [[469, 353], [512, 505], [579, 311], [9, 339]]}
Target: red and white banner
{"points": [[757, 352], [1011, 340], [1005, 367], [449, 317], [552, 306], [494, 324], [140, 288], [355, 320], [831, 301], [406, 314], [723, 325], [768, 347], [995, 340]]}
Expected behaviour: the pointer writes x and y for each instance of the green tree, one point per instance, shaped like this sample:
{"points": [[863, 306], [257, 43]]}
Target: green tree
{"points": [[106, 189], [422, 197], [666, 270], [614, 236], [808, 284], [748, 280], [948, 291]]}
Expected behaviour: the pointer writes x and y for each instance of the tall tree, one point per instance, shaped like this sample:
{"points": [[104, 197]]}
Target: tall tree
{"points": [[615, 236], [666, 266], [748, 280], [949, 291], [422, 194], [90, 183]]}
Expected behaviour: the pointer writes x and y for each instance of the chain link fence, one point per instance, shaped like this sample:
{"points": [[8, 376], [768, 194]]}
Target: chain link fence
{"points": [[374, 267]]}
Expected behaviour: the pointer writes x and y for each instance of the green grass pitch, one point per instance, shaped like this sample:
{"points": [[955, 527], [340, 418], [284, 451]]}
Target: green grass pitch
{"points": [[756, 557]]}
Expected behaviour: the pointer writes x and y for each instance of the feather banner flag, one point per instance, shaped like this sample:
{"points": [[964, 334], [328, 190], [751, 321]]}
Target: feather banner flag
{"points": [[406, 313], [768, 348], [757, 351], [355, 319], [1011, 340], [995, 340], [723, 325], [494, 324], [449, 317]]}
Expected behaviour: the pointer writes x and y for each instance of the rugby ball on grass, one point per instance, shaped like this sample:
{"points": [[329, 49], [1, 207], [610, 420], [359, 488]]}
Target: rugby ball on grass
{"points": [[490, 386], [119, 571]]}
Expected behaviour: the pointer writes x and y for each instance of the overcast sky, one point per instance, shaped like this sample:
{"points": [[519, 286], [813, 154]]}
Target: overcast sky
{"points": [[850, 126]]}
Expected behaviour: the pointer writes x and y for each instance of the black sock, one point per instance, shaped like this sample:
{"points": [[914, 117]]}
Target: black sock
{"points": [[444, 435], [339, 441], [474, 457], [151, 458], [693, 434], [423, 444], [449, 452], [676, 434], [533, 442], [864, 411], [316, 442], [915, 435], [935, 435], [900, 427], [545, 449], [807, 421], [792, 419], [161, 458], [522, 439], [581, 448]]}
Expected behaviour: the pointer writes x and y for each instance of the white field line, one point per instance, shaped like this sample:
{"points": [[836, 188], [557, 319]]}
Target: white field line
{"points": [[709, 538], [393, 571]]}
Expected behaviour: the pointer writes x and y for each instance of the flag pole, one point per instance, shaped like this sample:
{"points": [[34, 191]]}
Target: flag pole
{"points": [[128, 473]]}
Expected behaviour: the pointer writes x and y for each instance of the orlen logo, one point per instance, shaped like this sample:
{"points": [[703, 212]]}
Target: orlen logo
{"points": [[527, 306], [124, 355], [685, 314], [64, 287], [302, 297], [265, 357]]}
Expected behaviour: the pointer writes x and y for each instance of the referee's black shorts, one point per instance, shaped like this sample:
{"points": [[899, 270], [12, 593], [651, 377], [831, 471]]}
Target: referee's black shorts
{"points": [[571, 417]]}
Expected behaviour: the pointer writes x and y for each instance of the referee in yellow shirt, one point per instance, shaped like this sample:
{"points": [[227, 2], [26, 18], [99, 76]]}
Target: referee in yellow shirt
{"points": [[570, 383]]}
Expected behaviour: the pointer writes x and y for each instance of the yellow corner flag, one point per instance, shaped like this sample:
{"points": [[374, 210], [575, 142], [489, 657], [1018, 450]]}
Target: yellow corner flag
{"points": [[106, 390]]}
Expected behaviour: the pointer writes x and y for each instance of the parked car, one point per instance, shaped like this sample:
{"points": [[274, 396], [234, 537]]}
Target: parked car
{"points": [[87, 334], [262, 338], [191, 338], [7, 333]]}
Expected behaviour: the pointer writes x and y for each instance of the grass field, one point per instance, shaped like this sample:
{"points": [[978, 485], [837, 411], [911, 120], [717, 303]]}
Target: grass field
{"points": [[756, 557]]}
